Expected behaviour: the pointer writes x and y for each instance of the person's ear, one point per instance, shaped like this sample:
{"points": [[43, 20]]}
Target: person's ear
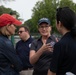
{"points": [[60, 24]]}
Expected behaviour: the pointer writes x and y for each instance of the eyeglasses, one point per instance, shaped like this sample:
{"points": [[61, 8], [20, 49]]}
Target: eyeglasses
{"points": [[43, 27], [20, 32]]}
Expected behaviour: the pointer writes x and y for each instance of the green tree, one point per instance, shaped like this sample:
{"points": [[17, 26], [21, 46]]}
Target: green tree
{"points": [[68, 3], [47, 8], [8, 10]]}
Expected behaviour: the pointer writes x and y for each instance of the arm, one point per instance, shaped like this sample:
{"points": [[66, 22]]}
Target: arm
{"points": [[51, 73], [10, 53], [34, 56]]}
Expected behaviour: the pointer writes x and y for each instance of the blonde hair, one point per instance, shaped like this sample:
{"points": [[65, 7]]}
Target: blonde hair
{"points": [[4, 31]]}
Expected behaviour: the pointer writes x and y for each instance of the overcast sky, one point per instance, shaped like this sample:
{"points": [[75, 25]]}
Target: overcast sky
{"points": [[23, 7]]}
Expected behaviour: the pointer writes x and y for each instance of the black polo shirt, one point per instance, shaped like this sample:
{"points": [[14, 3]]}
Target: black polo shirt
{"points": [[22, 49], [64, 56], [43, 64]]}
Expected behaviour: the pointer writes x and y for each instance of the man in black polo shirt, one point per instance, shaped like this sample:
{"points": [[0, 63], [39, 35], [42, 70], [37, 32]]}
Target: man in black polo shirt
{"points": [[23, 48], [64, 55]]}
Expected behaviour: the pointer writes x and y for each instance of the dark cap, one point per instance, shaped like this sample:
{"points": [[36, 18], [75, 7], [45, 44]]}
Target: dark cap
{"points": [[6, 19], [44, 20]]}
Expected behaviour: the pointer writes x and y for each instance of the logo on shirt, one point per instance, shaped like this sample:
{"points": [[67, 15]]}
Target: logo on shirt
{"points": [[29, 45]]}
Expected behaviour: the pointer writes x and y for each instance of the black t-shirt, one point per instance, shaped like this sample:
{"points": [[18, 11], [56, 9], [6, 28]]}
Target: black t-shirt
{"points": [[64, 56], [43, 64]]}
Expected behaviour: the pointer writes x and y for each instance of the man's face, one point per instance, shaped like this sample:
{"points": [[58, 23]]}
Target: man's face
{"points": [[22, 33]]}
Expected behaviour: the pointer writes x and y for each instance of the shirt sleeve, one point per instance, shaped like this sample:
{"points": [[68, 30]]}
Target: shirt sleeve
{"points": [[33, 45]]}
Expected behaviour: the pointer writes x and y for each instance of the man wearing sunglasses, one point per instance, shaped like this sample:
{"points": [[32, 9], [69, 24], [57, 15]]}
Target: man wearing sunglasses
{"points": [[23, 48]]}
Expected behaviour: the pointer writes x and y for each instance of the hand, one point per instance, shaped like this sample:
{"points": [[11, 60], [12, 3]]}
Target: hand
{"points": [[47, 47]]}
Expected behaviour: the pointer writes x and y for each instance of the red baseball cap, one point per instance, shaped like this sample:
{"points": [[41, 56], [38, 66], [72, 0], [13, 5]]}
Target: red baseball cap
{"points": [[8, 19]]}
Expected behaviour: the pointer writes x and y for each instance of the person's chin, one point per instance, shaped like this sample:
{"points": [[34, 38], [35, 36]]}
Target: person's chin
{"points": [[13, 33], [45, 35]]}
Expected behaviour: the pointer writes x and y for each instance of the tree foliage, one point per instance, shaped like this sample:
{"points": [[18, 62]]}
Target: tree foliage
{"points": [[8, 10], [47, 8]]}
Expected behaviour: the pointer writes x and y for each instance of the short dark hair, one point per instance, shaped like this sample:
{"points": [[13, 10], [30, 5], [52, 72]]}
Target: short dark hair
{"points": [[25, 27], [68, 18]]}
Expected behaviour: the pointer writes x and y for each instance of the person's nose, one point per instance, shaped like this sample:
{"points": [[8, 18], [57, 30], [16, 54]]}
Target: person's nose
{"points": [[44, 28]]}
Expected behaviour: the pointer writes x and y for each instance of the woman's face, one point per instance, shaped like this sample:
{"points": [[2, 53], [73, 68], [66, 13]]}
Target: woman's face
{"points": [[59, 27], [44, 29]]}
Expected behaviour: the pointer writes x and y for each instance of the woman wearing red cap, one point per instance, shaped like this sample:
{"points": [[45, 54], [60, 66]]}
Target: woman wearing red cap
{"points": [[10, 63]]}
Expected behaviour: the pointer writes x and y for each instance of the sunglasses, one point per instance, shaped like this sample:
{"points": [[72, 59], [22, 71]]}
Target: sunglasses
{"points": [[21, 32]]}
